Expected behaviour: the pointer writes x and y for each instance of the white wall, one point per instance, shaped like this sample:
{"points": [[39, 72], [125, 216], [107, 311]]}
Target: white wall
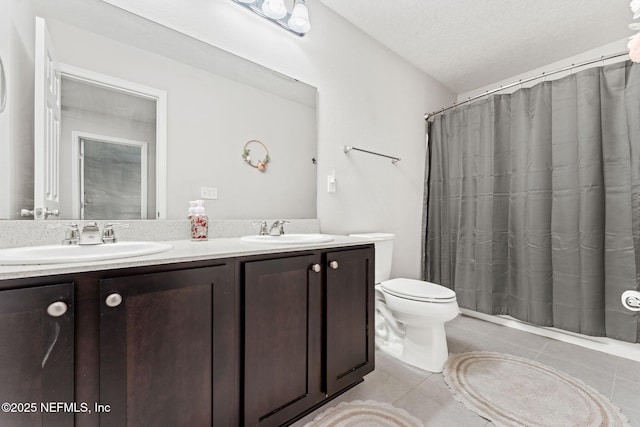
{"points": [[16, 130], [368, 97]]}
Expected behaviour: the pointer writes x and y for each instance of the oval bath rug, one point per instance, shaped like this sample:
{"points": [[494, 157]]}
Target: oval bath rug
{"points": [[513, 391], [364, 414]]}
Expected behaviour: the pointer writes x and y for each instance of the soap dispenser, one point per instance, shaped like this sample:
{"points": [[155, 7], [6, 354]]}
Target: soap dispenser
{"points": [[199, 221]]}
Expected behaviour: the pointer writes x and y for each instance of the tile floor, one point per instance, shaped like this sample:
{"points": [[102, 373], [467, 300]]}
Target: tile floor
{"points": [[425, 395]]}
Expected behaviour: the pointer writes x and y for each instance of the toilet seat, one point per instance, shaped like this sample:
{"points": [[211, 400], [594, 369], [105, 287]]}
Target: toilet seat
{"points": [[418, 290]]}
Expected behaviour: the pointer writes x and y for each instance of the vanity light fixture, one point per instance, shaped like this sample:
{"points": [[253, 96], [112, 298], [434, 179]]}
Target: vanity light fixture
{"points": [[299, 19], [275, 11]]}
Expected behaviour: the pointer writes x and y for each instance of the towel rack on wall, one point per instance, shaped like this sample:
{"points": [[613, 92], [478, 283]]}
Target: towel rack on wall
{"points": [[394, 160], [3, 87]]}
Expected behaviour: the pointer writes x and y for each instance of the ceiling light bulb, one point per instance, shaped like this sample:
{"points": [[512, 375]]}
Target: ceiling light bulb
{"points": [[274, 9], [299, 20]]}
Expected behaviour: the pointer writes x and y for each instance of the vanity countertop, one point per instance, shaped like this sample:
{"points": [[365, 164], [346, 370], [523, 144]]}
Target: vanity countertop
{"points": [[183, 251]]}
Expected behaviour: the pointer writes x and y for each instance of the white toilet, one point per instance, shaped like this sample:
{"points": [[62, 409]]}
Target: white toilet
{"points": [[410, 314]]}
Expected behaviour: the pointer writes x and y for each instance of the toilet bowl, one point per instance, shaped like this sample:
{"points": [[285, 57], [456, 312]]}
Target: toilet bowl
{"points": [[410, 314], [423, 308]]}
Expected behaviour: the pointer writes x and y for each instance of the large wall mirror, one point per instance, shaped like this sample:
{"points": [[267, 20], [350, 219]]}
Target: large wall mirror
{"points": [[124, 155]]}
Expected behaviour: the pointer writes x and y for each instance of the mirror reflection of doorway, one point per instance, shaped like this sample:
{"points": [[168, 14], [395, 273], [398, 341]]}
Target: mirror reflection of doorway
{"points": [[110, 135], [113, 178], [69, 99]]}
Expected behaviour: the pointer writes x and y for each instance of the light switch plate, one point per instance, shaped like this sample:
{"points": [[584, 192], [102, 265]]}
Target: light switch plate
{"points": [[331, 182], [210, 193]]}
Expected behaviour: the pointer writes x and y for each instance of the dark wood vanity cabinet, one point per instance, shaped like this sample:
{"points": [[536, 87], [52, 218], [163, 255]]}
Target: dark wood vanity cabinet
{"points": [[282, 338], [142, 346], [257, 340], [308, 331], [36, 355], [157, 348], [349, 294]]}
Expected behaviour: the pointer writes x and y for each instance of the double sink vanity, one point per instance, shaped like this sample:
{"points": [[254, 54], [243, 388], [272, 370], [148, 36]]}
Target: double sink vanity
{"points": [[254, 330], [156, 330]]}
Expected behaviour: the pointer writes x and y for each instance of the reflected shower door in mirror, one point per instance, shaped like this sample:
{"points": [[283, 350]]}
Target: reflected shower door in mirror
{"points": [[112, 176]]}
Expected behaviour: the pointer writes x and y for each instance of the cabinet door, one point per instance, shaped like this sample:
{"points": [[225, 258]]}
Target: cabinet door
{"points": [[350, 317], [36, 355], [156, 349], [282, 339]]}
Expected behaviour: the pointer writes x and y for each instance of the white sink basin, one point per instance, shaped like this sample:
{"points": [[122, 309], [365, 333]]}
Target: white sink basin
{"points": [[58, 254], [289, 239]]}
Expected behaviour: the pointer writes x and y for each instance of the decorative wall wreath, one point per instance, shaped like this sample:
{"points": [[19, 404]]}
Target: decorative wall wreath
{"points": [[261, 165]]}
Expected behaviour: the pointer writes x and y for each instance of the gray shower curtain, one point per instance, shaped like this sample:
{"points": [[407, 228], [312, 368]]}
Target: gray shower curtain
{"points": [[533, 202]]}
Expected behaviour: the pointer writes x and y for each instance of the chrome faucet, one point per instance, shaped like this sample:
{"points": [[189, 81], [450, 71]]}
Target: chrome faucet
{"points": [[279, 223], [265, 231], [90, 234], [263, 228], [108, 235], [71, 236]]}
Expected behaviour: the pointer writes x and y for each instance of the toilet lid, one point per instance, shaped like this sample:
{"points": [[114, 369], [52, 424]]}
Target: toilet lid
{"points": [[418, 290]]}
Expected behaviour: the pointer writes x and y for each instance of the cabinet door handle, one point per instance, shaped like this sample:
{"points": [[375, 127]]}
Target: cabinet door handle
{"points": [[333, 264], [113, 300], [316, 267], [57, 309]]}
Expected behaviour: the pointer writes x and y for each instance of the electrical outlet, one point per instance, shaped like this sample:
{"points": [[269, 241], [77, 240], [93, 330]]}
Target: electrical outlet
{"points": [[210, 193]]}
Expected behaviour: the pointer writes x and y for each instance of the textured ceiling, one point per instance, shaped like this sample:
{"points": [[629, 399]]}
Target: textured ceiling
{"points": [[466, 44]]}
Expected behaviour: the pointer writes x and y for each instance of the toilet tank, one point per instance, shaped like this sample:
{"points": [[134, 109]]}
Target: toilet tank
{"points": [[383, 243]]}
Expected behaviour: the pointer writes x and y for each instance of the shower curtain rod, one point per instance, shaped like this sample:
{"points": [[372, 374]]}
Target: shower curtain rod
{"points": [[519, 82]]}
